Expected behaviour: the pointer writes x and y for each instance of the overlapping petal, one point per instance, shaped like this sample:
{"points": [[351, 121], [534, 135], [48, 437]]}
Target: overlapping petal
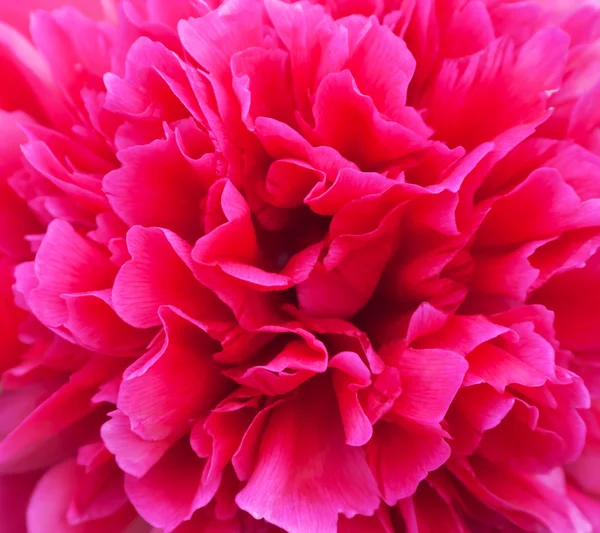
{"points": [[300, 266]]}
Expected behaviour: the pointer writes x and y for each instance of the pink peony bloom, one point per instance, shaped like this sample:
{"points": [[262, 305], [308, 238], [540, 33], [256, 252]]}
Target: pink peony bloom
{"points": [[304, 267]]}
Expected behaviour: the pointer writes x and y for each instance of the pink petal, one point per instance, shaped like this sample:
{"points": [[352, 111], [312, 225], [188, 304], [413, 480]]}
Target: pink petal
{"points": [[99, 493], [66, 263], [489, 76], [399, 474], [214, 38], [349, 377], [183, 361], [172, 490], [289, 181], [369, 64], [61, 417], [159, 274], [340, 480], [295, 363], [15, 492], [96, 326], [228, 221], [17, 15], [226, 425], [143, 190], [470, 31], [51, 497], [31, 89], [575, 324], [557, 208], [430, 380], [133, 454], [475, 410], [258, 75], [524, 500], [348, 121], [378, 523], [427, 509]]}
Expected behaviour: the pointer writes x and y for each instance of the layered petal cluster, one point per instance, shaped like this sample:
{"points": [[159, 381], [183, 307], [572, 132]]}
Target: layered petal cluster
{"points": [[304, 267]]}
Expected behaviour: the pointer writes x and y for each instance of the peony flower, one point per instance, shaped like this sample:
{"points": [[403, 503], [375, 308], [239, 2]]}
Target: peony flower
{"points": [[305, 267]]}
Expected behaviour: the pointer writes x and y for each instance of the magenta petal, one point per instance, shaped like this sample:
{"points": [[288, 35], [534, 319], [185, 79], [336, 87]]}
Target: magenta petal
{"points": [[172, 490], [184, 360], [133, 454], [15, 492], [214, 38], [516, 491], [297, 362], [100, 491], [51, 497], [430, 379], [400, 474], [341, 480], [18, 14], [369, 65], [352, 375], [66, 263], [299, 266], [31, 89], [95, 325], [158, 274], [67, 408], [143, 190], [348, 121]]}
